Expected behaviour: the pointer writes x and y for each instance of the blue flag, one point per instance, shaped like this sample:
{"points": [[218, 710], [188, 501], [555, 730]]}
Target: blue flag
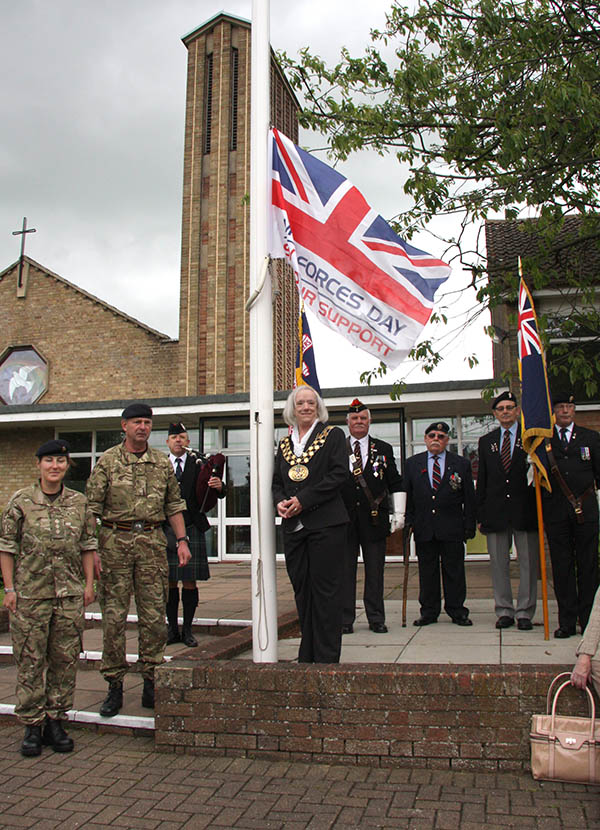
{"points": [[306, 368]]}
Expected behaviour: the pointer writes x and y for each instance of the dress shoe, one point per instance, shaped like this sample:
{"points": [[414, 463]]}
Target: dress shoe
{"points": [[378, 628], [187, 638], [425, 621], [32, 741], [173, 635], [524, 624], [56, 737], [563, 633], [348, 629], [148, 694], [113, 700], [505, 622], [462, 621]]}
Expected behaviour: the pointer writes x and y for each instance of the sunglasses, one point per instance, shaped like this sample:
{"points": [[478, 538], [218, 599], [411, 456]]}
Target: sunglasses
{"points": [[437, 435]]}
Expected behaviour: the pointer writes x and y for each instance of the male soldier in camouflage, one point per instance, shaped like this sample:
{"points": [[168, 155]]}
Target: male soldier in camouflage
{"points": [[132, 490], [47, 544]]}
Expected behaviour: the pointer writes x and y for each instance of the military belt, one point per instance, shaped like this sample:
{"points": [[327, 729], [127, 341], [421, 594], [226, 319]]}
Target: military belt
{"points": [[136, 525]]}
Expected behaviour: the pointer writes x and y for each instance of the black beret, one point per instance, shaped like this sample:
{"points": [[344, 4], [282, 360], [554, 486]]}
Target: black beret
{"points": [[356, 406], [53, 447], [562, 397], [136, 410], [176, 428], [504, 396], [438, 426]]}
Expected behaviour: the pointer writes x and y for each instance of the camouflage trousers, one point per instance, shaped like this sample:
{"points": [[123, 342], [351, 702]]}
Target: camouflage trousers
{"points": [[46, 636], [132, 564]]}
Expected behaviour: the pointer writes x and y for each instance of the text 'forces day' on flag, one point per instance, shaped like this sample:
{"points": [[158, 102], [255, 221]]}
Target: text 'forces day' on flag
{"points": [[352, 270]]}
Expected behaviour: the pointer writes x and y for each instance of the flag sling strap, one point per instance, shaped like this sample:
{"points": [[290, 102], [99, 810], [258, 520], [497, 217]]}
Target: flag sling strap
{"points": [[576, 502], [357, 472]]}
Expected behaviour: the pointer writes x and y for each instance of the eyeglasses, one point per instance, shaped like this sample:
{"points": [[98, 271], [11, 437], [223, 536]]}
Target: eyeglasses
{"points": [[505, 408], [436, 435]]}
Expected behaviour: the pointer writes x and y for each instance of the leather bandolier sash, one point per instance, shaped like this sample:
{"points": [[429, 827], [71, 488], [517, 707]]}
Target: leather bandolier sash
{"points": [[298, 470], [576, 502], [357, 472]]}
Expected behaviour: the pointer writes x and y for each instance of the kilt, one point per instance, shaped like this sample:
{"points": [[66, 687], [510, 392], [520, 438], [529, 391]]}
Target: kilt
{"points": [[197, 567]]}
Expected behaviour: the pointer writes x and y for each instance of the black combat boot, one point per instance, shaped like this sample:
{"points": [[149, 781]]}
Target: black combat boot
{"points": [[32, 741], [173, 635], [114, 699], [56, 737], [148, 693], [189, 599]]}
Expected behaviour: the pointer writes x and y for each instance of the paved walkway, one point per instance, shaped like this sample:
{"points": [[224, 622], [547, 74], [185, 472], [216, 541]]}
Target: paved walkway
{"points": [[114, 781]]}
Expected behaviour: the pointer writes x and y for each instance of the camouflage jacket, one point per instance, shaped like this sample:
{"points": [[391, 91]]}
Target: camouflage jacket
{"points": [[47, 539], [123, 487]]}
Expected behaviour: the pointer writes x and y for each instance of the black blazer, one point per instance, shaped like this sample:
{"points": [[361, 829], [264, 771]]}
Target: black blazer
{"points": [[448, 514], [580, 468], [504, 499], [381, 475], [319, 493]]}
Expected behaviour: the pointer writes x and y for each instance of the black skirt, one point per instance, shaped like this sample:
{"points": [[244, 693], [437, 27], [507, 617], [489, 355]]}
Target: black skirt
{"points": [[197, 567]]}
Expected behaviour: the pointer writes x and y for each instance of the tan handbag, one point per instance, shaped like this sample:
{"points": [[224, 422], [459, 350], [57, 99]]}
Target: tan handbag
{"points": [[564, 747]]}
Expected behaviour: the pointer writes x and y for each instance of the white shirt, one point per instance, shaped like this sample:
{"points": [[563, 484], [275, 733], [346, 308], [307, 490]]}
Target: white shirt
{"points": [[569, 431], [364, 450], [174, 458]]}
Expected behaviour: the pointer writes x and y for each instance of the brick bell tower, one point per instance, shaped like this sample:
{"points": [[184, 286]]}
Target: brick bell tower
{"points": [[213, 324]]}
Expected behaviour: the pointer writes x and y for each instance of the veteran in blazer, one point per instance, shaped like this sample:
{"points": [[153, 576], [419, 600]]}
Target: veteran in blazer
{"points": [[310, 469], [506, 514], [372, 489], [571, 516], [440, 507]]}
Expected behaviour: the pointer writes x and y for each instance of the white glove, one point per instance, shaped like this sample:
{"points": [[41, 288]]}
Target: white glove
{"points": [[397, 517]]}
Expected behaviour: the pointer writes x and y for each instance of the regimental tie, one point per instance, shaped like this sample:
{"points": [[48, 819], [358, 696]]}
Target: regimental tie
{"points": [[436, 474], [505, 451], [564, 438], [178, 470], [358, 455]]}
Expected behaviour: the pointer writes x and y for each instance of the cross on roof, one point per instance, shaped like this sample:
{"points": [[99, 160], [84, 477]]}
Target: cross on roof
{"points": [[22, 233]]}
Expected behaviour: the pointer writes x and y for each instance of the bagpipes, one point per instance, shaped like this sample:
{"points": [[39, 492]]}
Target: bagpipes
{"points": [[211, 465]]}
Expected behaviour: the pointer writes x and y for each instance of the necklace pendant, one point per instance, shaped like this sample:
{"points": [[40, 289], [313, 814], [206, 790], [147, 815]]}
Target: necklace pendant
{"points": [[298, 472]]}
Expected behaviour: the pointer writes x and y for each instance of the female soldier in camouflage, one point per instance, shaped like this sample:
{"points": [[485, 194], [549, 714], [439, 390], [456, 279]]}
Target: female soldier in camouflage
{"points": [[47, 544]]}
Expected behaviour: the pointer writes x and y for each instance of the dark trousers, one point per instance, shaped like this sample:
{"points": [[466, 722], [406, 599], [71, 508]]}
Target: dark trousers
{"points": [[314, 562], [574, 557], [451, 555], [374, 560]]}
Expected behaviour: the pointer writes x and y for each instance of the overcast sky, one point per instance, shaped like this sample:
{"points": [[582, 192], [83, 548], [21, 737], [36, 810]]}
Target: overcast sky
{"points": [[91, 149]]}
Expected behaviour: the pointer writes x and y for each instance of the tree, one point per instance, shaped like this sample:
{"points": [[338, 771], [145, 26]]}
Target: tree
{"points": [[492, 106]]}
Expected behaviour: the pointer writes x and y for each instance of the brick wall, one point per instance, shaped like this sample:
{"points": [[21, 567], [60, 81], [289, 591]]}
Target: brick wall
{"points": [[438, 716]]}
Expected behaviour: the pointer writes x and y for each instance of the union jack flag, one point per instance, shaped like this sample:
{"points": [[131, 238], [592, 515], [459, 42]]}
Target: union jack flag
{"points": [[352, 270], [537, 419]]}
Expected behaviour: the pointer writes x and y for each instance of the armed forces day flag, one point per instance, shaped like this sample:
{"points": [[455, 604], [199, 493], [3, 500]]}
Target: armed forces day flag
{"points": [[352, 271]]}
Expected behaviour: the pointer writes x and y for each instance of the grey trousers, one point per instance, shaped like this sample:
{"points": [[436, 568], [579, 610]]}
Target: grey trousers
{"points": [[498, 545]]}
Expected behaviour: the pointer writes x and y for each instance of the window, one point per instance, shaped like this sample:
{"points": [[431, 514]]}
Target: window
{"points": [[23, 376], [233, 107], [208, 80]]}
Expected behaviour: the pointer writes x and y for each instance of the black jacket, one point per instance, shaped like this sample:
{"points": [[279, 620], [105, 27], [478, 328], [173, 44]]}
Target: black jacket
{"points": [[319, 493], [381, 476], [580, 468], [447, 514], [504, 499]]}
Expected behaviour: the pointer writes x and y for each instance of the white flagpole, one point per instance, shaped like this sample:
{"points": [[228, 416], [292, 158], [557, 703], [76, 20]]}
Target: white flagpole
{"points": [[262, 532]]}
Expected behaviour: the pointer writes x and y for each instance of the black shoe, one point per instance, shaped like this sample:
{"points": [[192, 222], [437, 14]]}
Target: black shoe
{"points": [[148, 694], [563, 633], [524, 624], [462, 621], [32, 741], [505, 622], [173, 635], [348, 629], [425, 621], [378, 628], [113, 700], [56, 737], [188, 638]]}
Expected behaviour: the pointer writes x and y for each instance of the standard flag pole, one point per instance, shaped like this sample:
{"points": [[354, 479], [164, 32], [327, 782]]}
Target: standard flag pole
{"points": [[542, 551], [262, 529]]}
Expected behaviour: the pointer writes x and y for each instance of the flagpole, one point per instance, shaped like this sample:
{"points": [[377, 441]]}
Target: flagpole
{"points": [[542, 550], [262, 525]]}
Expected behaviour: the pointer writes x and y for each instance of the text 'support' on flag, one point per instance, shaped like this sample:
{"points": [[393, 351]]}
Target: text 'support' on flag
{"points": [[354, 273], [536, 407], [306, 367]]}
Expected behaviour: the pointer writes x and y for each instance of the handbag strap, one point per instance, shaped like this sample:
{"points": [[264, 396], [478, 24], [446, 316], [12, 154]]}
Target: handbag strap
{"points": [[549, 696], [591, 711]]}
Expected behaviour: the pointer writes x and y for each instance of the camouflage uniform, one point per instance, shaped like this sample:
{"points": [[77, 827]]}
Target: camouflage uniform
{"points": [[46, 538], [123, 488]]}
